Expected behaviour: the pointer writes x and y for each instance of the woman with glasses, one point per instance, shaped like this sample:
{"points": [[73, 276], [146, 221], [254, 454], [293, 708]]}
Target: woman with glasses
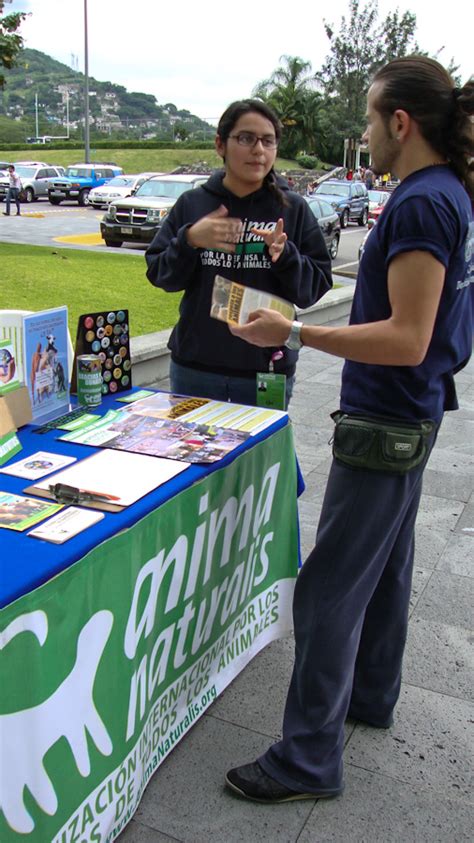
{"points": [[245, 225]]}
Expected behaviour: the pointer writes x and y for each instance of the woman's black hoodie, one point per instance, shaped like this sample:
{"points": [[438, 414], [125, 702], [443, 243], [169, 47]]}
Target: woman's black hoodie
{"points": [[302, 274]]}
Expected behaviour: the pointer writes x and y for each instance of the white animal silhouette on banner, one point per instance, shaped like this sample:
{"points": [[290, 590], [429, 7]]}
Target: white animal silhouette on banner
{"points": [[26, 736]]}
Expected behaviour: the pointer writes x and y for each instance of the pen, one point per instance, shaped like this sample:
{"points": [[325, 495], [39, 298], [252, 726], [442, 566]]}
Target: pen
{"points": [[71, 494]]}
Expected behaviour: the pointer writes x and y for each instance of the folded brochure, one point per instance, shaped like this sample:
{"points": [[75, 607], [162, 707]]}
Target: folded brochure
{"points": [[66, 524], [233, 302]]}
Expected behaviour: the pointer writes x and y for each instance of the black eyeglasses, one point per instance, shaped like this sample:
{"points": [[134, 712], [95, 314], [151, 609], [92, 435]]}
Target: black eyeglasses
{"points": [[250, 139]]}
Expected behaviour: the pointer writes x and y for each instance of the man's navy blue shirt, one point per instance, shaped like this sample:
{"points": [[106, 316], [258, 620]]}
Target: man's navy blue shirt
{"points": [[429, 211]]}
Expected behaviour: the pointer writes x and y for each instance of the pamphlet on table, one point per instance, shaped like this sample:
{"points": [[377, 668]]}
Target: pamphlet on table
{"points": [[19, 513], [37, 465], [66, 524], [45, 344]]}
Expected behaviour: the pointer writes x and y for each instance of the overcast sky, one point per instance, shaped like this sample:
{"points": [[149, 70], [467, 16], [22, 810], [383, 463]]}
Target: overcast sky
{"points": [[202, 55]]}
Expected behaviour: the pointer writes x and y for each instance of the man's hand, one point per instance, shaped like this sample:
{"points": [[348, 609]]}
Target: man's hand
{"points": [[264, 328], [215, 231], [275, 240]]}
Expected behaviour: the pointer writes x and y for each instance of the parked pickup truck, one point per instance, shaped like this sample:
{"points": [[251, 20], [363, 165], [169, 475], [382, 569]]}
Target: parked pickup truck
{"points": [[79, 180], [137, 218]]}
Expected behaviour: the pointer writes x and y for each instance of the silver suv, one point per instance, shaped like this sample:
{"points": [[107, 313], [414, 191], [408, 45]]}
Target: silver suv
{"points": [[139, 217], [35, 177]]}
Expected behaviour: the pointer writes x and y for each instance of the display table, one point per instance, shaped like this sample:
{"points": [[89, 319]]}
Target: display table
{"points": [[113, 644]]}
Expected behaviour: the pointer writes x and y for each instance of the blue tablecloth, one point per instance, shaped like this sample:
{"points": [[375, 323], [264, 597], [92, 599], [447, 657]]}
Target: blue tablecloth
{"points": [[26, 563]]}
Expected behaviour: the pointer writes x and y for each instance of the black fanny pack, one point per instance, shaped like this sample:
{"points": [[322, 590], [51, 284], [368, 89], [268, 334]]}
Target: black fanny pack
{"points": [[380, 444]]}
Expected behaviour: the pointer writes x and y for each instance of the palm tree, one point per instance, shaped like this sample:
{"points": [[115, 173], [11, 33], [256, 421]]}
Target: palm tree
{"points": [[290, 91]]}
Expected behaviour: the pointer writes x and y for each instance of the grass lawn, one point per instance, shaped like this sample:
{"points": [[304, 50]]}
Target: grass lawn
{"points": [[132, 160], [39, 277]]}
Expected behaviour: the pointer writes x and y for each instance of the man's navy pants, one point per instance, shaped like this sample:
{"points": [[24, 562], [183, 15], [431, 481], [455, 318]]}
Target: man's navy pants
{"points": [[350, 616]]}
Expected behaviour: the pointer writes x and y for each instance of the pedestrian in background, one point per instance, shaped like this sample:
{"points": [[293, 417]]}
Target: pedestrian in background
{"points": [[410, 331], [13, 192]]}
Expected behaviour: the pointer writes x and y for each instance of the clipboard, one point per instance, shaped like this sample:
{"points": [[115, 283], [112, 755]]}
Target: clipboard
{"points": [[109, 480]]}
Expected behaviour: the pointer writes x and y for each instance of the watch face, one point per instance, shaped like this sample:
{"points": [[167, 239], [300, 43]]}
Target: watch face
{"points": [[294, 341]]}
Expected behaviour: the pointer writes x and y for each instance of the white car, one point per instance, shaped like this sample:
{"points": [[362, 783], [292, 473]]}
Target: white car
{"points": [[117, 188]]}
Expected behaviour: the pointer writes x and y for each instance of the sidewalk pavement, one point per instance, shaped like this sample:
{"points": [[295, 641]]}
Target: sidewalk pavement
{"points": [[411, 783]]}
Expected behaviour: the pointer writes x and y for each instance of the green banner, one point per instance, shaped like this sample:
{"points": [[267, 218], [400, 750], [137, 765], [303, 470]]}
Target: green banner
{"points": [[106, 667]]}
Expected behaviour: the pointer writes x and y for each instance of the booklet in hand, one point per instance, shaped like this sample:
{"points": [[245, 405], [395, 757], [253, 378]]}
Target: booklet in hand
{"points": [[232, 302]]}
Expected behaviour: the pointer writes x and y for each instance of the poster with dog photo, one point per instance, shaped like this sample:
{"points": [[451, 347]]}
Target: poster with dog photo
{"points": [[45, 341]]}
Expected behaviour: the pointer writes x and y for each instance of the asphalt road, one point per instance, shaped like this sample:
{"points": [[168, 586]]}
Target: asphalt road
{"points": [[69, 226]]}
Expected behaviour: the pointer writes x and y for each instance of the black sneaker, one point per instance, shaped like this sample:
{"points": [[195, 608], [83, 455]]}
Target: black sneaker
{"points": [[5, 214], [252, 782]]}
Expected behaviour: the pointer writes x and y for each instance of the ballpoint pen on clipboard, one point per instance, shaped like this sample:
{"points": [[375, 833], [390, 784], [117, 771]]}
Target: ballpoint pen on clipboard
{"points": [[71, 494]]}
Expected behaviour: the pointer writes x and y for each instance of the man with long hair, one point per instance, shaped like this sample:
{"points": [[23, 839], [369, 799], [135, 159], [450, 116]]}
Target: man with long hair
{"points": [[410, 331]]}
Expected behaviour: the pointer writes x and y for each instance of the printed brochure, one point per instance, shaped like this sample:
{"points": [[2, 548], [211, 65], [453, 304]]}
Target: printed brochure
{"points": [[19, 513], [232, 302], [8, 367], [66, 524], [37, 465], [45, 343]]}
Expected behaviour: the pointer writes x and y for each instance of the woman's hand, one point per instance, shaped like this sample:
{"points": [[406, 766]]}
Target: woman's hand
{"points": [[265, 328], [275, 240], [215, 231]]}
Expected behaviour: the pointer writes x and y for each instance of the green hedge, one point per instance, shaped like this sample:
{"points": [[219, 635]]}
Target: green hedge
{"points": [[110, 144]]}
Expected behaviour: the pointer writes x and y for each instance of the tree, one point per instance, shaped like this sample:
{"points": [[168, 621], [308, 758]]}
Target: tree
{"points": [[290, 91], [10, 42], [358, 49]]}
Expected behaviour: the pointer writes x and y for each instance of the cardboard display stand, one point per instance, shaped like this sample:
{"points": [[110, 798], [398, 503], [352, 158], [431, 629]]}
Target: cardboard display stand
{"points": [[15, 410]]}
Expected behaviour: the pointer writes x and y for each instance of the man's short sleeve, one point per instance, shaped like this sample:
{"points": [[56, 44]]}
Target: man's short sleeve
{"points": [[425, 224]]}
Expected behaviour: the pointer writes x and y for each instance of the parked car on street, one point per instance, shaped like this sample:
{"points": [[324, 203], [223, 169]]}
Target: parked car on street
{"points": [[79, 180], [117, 188], [377, 201], [139, 217], [35, 177], [329, 223], [349, 198]]}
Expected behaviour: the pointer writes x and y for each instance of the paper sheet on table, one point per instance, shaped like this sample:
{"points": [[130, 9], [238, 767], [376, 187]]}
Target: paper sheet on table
{"points": [[124, 475]]}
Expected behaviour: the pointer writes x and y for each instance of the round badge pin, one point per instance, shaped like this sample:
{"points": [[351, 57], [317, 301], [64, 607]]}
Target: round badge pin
{"points": [[105, 342], [125, 380], [117, 360], [123, 351], [120, 316], [90, 336], [109, 363], [108, 330], [95, 346], [113, 386], [107, 376], [117, 330], [88, 322], [111, 318], [100, 321], [127, 365], [105, 388], [100, 333]]}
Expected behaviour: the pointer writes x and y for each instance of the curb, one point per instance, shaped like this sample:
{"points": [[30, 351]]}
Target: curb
{"points": [[150, 354]]}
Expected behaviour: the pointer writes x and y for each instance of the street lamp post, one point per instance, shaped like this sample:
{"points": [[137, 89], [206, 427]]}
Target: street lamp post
{"points": [[87, 150]]}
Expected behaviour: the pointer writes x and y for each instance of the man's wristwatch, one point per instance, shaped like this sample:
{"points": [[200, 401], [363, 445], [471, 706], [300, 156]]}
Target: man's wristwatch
{"points": [[294, 337]]}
